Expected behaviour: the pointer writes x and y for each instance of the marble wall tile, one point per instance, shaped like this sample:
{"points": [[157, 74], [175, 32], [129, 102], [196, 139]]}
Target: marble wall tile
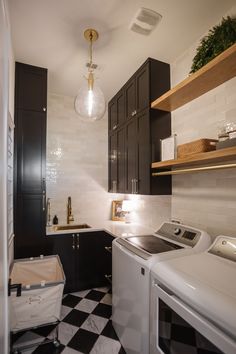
{"points": [[205, 200], [77, 155]]}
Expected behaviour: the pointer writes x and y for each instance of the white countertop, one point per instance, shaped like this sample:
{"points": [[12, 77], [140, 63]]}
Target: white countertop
{"points": [[115, 228]]}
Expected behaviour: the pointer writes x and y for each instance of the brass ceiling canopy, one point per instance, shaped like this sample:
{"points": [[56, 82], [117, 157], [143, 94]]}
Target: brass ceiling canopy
{"points": [[91, 35]]}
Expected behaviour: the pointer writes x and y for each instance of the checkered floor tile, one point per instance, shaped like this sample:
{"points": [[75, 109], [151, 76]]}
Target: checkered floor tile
{"points": [[85, 327]]}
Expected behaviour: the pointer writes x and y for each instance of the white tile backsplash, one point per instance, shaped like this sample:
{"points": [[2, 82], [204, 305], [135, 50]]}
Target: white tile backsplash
{"points": [[77, 166], [206, 200]]}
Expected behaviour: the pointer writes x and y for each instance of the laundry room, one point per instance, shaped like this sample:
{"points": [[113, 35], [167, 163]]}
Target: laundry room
{"points": [[118, 176]]}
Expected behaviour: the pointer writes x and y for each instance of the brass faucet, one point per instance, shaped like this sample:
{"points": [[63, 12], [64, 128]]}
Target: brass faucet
{"points": [[70, 217]]}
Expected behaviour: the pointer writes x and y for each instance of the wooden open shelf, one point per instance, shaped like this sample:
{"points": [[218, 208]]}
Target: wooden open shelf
{"points": [[213, 74], [212, 157]]}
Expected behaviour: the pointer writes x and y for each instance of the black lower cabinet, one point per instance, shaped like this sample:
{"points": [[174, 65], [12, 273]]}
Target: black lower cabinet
{"points": [[85, 258], [64, 247]]}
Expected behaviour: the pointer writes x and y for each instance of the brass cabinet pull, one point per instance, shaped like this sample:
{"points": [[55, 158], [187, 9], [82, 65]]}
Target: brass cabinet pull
{"points": [[77, 241]]}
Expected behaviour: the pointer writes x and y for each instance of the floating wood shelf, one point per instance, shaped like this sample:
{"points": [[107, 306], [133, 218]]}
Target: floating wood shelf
{"points": [[217, 159], [216, 72]]}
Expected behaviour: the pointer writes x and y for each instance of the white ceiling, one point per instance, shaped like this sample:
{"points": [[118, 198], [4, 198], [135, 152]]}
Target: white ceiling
{"points": [[49, 33]]}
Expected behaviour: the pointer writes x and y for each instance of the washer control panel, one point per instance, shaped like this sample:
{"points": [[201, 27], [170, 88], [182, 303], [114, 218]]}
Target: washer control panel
{"points": [[180, 233]]}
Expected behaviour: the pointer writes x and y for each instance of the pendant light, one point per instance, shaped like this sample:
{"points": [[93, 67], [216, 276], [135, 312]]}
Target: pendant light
{"points": [[90, 102]]}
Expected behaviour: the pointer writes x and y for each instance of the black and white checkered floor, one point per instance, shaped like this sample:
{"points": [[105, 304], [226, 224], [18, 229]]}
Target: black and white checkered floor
{"points": [[85, 327]]}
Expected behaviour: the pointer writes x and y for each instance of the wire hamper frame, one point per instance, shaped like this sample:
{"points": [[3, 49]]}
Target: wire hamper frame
{"points": [[42, 282]]}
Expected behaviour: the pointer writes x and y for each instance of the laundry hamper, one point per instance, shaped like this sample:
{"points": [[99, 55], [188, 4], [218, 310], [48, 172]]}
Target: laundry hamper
{"points": [[42, 282]]}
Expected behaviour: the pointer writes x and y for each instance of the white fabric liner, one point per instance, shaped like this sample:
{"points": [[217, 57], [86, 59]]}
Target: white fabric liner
{"points": [[36, 307], [32, 272]]}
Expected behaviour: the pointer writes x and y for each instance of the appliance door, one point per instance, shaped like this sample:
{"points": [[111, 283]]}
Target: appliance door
{"points": [[177, 328], [130, 299]]}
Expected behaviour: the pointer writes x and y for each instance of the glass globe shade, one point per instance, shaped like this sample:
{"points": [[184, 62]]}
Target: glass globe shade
{"points": [[90, 103]]}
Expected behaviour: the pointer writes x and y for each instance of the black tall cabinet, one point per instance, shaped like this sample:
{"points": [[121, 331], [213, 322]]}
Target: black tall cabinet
{"points": [[30, 160], [135, 131]]}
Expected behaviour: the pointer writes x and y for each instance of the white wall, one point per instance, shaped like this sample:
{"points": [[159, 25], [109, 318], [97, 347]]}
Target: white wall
{"points": [[206, 200]]}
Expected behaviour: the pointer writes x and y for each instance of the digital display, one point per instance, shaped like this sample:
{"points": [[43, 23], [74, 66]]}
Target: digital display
{"points": [[189, 235]]}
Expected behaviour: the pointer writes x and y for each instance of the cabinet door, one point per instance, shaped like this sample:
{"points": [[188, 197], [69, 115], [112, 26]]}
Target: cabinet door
{"points": [[30, 240], [104, 265], [63, 247], [120, 108], [121, 160], [144, 154], [112, 151], [31, 87], [86, 260], [93, 261], [142, 89], [130, 99], [112, 114], [131, 155], [30, 151]]}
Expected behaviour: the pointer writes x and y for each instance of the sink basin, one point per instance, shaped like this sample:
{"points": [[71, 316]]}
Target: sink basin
{"points": [[71, 227]]}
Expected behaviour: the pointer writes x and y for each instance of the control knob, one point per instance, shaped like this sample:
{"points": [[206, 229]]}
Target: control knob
{"points": [[177, 231]]}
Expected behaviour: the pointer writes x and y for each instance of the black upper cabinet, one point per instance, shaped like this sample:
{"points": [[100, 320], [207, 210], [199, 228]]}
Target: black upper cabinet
{"points": [[143, 183], [136, 140], [31, 151], [116, 109], [142, 89], [131, 156], [31, 87], [121, 155], [137, 92], [112, 109], [120, 99], [130, 98], [30, 160], [112, 165]]}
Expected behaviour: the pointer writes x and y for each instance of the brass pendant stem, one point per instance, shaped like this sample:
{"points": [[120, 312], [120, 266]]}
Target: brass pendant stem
{"points": [[90, 81], [91, 49], [90, 35]]}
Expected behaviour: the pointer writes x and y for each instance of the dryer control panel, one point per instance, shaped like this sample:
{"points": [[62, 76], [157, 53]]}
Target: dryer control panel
{"points": [[224, 247]]}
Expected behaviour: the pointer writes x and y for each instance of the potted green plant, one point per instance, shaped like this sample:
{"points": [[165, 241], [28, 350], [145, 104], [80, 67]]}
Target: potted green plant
{"points": [[219, 38]]}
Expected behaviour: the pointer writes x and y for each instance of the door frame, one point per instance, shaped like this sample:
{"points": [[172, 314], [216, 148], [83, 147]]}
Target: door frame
{"points": [[4, 108]]}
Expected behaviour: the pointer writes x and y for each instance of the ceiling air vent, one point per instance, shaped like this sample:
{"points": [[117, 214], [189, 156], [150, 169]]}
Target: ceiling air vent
{"points": [[145, 21]]}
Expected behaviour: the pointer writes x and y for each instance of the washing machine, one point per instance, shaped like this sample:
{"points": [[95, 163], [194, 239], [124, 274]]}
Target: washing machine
{"points": [[193, 302], [132, 259]]}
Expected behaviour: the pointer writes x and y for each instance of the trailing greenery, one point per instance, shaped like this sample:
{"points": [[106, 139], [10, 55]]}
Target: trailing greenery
{"points": [[219, 38]]}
